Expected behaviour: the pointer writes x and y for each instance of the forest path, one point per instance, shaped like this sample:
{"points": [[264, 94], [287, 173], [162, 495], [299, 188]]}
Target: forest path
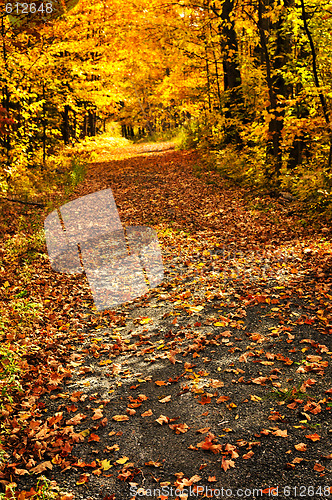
{"points": [[206, 380]]}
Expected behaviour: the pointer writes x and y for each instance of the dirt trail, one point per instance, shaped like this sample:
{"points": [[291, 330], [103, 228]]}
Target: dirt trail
{"points": [[219, 378]]}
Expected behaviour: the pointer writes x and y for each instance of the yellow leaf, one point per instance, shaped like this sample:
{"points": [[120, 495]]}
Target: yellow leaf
{"points": [[196, 308], [144, 321], [122, 460], [255, 398], [105, 464]]}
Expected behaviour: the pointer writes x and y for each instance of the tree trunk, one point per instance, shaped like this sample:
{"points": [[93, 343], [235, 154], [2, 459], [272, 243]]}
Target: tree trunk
{"points": [[65, 124]]}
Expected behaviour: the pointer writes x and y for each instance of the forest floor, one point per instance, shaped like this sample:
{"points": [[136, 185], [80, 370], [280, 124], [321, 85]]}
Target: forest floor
{"points": [[216, 383]]}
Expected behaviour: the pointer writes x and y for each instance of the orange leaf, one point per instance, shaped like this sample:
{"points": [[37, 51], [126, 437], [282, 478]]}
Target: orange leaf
{"points": [[93, 437], [205, 400], [162, 420], [84, 478], [179, 428], [147, 413], [226, 464], [97, 414], [280, 433], [160, 382], [301, 447], [76, 419], [313, 437], [319, 467]]}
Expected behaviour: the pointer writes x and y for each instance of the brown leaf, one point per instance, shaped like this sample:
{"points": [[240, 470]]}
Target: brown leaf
{"points": [[97, 414], [76, 419], [41, 467], [248, 455], [318, 467], [84, 478]]}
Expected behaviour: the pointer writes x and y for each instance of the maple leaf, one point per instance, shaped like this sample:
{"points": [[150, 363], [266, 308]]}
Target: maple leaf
{"points": [[259, 380], [147, 413], [179, 428], [212, 479], [162, 420], [84, 478], [120, 418], [41, 467], [208, 444], [97, 414], [153, 464], [222, 399], [318, 467], [203, 430], [165, 399], [280, 433], [160, 382], [301, 447], [93, 437], [226, 464], [21, 472], [313, 437], [76, 419], [204, 400]]}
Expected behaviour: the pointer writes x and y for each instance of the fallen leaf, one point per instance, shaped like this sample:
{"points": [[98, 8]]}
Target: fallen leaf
{"points": [[147, 413], [313, 437], [97, 414], [120, 418], [162, 420], [165, 400], [301, 447]]}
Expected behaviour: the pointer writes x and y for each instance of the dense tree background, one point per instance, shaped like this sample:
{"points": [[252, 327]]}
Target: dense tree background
{"points": [[248, 81]]}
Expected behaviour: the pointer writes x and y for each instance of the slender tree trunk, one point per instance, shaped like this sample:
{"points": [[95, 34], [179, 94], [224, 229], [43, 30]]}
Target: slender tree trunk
{"points": [[315, 72], [275, 82], [65, 124], [233, 97], [44, 125]]}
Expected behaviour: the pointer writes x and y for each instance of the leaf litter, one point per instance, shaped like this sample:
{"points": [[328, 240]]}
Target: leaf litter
{"points": [[235, 345]]}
